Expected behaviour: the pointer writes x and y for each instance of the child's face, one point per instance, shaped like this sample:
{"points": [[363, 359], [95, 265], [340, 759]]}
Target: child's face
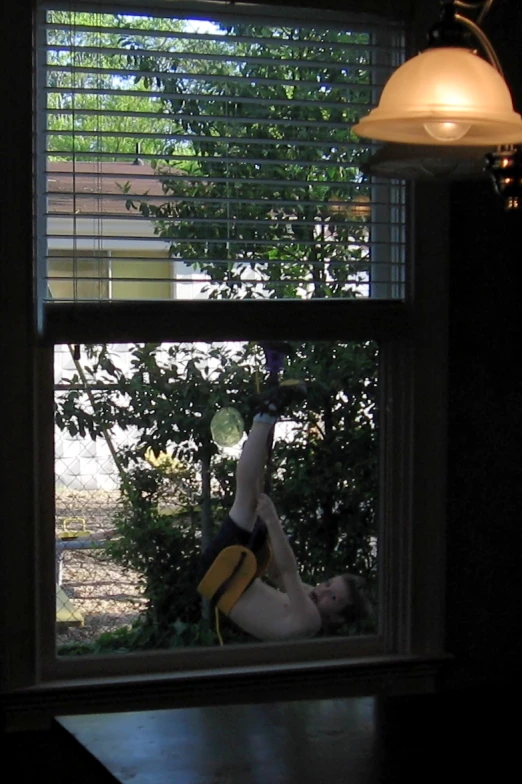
{"points": [[331, 597]]}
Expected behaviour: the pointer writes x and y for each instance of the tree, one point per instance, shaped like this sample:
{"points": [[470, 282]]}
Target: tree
{"points": [[262, 199], [264, 202], [326, 474], [95, 104], [166, 401], [249, 129]]}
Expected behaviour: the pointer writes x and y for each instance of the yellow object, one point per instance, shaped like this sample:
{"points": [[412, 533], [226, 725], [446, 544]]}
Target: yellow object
{"points": [[66, 612], [215, 578], [237, 564], [67, 533], [444, 96], [163, 460], [218, 630]]}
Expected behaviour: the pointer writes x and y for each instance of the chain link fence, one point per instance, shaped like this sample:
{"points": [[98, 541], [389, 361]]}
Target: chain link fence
{"points": [[94, 594]]}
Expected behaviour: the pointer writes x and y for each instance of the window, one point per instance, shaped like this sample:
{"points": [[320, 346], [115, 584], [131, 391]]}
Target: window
{"points": [[144, 415], [226, 249], [216, 156]]}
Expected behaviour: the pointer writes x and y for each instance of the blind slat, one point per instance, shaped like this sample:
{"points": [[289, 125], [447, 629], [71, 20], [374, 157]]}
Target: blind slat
{"points": [[244, 140], [361, 267], [276, 42], [100, 174], [281, 243], [221, 78], [181, 117], [136, 218], [378, 15], [237, 181], [206, 200], [223, 262], [200, 97], [199, 57]]}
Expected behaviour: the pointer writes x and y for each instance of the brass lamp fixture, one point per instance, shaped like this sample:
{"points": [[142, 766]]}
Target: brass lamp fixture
{"points": [[450, 97], [505, 167]]}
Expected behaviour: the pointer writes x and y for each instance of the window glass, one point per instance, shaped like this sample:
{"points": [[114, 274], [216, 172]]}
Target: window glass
{"points": [[147, 441], [216, 159], [84, 276]]}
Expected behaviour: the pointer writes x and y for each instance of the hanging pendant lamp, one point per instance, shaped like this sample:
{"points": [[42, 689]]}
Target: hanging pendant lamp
{"points": [[447, 95]]}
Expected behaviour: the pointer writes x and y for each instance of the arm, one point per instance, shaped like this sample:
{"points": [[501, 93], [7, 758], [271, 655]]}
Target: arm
{"points": [[284, 557], [304, 617], [274, 576], [284, 573], [283, 554]]}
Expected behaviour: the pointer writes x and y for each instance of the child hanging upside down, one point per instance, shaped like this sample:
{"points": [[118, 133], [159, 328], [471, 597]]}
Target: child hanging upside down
{"points": [[294, 609]]}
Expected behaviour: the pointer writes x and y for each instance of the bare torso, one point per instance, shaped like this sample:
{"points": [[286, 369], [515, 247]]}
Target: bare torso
{"points": [[269, 614]]}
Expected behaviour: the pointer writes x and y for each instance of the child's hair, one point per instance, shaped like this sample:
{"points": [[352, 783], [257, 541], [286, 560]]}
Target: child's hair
{"points": [[360, 608]]}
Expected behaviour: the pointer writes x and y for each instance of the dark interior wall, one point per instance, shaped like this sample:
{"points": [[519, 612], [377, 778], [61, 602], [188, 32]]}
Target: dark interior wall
{"points": [[485, 414], [485, 435]]}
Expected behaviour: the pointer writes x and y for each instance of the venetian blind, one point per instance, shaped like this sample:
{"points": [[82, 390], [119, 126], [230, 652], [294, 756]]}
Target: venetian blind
{"points": [[194, 155]]}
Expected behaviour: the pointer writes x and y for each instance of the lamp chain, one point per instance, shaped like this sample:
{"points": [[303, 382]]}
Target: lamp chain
{"points": [[485, 7], [484, 41]]}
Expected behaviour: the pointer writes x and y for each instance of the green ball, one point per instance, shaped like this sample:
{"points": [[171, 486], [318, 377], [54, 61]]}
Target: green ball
{"points": [[227, 427]]}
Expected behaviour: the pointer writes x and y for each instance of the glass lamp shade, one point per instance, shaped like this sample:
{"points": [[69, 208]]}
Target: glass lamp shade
{"points": [[444, 96]]}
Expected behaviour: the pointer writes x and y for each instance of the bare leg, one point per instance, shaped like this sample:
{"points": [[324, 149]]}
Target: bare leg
{"points": [[251, 464], [249, 475]]}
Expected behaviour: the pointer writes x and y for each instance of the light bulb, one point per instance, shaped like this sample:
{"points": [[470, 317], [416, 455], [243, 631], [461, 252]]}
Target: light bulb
{"points": [[447, 131]]}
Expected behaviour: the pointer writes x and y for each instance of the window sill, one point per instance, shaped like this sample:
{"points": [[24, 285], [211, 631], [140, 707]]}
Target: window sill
{"points": [[388, 675]]}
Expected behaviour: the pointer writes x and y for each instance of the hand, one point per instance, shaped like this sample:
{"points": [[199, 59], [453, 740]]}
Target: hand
{"points": [[266, 509]]}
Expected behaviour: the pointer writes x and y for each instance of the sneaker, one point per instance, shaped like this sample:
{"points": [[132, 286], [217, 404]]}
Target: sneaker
{"points": [[276, 351], [274, 400]]}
